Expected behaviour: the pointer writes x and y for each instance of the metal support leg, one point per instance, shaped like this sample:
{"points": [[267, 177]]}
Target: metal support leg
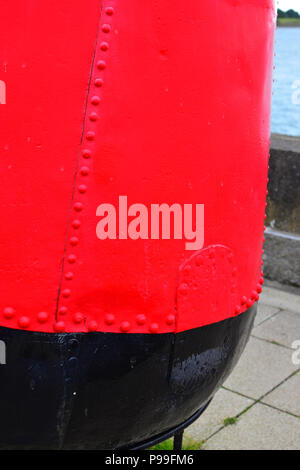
{"points": [[177, 442]]}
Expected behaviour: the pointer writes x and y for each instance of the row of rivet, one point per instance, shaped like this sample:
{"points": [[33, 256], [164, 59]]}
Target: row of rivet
{"points": [[261, 280], [78, 318], [84, 171], [245, 301]]}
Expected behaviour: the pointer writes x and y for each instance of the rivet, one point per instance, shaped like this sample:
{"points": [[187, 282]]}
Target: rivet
{"points": [[62, 310], [253, 294], [66, 293], [95, 100], [82, 188], [106, 28], [261, 280], [42, 317], [101, 64], [69, 276], [170, 319], [104, 46], [230, 257], [125, 326], [187, 270], [9, 312], [244, 300], [98, 82], [74, 241], [109, 318], [59, 326], [78, 206], [76, 223], [90, 135], [77, 317], [199, 260], [72, 258], [237, 309], [183, 289], [153, 328], [86, 153], [84, 170], [259, 288], [141, 319], [24, 322], [249, 303], [109, 11], [93, 117], [73, 344], [72, 362], [92, 325]]}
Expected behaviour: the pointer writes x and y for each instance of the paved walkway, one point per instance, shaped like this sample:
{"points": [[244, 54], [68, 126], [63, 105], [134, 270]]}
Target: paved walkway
{"points": [[262, 395]]}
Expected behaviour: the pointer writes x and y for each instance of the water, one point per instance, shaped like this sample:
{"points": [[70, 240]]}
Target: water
{"points": [[286, 88]]}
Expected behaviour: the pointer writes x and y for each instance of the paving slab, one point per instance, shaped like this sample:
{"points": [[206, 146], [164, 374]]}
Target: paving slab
{"points": [[281, 299], [286, 396], [262, 366], [260, 428], [284, 328], [264, 312], [225, 404]]}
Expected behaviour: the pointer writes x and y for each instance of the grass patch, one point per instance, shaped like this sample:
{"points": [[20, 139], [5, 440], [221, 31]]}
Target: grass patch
{"points": [[165, 445], [288, 21], [188, 444], [275, 342], [229, 421]]}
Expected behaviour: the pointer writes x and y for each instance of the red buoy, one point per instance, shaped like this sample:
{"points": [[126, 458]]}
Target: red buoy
{"points": [[134, 156]]}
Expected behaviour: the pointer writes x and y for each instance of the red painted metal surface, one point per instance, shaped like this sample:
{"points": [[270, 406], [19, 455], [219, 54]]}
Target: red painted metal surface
{"points": [[160, 101]]}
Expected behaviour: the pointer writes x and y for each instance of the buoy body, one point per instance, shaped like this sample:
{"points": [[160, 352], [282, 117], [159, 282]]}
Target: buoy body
{"points": [[134, 158]]}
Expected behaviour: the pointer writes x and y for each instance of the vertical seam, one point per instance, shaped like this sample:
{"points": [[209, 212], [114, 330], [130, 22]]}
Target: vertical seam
{"points": [[77, 165]]}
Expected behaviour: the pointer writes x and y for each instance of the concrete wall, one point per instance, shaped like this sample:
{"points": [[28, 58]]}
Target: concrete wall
{"points": [[282, 246]]}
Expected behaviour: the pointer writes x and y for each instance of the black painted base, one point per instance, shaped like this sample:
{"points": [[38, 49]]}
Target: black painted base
{"points": [[176, 432], [110, 390]]}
